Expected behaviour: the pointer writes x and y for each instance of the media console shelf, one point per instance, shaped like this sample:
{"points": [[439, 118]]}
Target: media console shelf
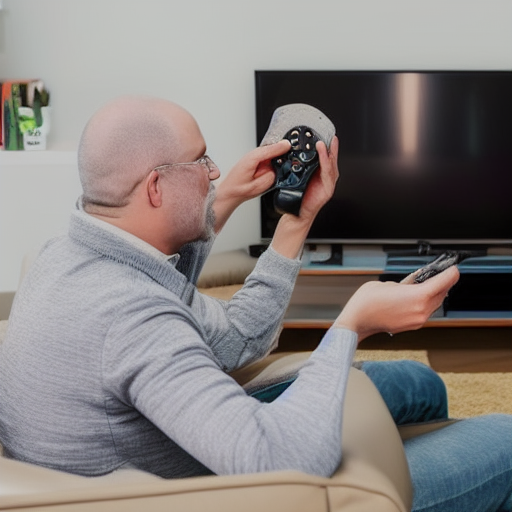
{"points": [[321, 292], [311, 319]]}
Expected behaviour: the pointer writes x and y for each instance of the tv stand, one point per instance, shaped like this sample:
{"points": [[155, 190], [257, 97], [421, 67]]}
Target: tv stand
{"points": [[426, 248], [482, 298]]}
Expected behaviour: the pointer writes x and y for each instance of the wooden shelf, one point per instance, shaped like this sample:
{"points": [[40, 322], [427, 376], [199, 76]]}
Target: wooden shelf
{"points": [[321, 293], [37, 158], [340, 271], [469, 322], [305, 323]]}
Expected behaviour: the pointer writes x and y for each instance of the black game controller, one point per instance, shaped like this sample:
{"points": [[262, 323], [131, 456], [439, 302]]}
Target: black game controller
{"points": [[442, 262], [294, 169]]}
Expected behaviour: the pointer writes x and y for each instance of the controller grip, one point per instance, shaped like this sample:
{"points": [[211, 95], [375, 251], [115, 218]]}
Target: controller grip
{"points": [[288, 201]]}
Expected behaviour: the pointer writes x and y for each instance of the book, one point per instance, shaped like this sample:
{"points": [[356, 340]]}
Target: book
{"points": [[24, 115]]}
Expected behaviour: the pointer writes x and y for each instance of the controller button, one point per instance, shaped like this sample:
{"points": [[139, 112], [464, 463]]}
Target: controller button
{"points": [[307, 157]]}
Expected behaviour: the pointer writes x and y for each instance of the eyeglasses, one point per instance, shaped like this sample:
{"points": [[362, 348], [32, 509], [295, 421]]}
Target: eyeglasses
{"points": [[204, 160]]}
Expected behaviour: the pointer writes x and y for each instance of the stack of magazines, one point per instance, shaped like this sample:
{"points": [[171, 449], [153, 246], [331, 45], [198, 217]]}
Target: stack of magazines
{"points": [[24, 115]]}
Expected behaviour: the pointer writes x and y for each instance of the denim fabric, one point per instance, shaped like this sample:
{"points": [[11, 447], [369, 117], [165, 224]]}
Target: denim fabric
{"points": [[464, 467], [270, 393], [412, 391]]}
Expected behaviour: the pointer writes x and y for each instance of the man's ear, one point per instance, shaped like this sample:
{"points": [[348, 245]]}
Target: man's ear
{"points": [[154, 188]]}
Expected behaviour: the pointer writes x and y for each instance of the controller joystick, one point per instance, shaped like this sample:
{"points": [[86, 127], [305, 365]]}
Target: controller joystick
{"points": [[294, 169]]}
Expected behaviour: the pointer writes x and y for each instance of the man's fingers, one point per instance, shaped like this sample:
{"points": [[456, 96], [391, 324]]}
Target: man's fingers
{"points": [[442, 282], [271, 151], [264, 179], [333, 150]]}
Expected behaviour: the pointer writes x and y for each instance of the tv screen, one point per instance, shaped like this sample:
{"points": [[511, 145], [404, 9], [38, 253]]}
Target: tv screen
{"points": [[424, 156]]}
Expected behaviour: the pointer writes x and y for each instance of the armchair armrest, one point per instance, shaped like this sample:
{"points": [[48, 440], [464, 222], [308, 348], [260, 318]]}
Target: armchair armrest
{"points": [[372, 448]]}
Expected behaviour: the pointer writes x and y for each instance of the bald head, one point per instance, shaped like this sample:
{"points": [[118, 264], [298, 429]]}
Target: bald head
{"points": [[123, 141]]}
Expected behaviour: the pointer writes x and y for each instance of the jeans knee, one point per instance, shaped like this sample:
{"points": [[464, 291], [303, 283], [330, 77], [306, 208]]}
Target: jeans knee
{"points": [[431, 387], [412, 390], [429, 379]]}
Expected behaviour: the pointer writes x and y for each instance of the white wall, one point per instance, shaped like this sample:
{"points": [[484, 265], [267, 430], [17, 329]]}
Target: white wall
{"points": [[202, 54]]}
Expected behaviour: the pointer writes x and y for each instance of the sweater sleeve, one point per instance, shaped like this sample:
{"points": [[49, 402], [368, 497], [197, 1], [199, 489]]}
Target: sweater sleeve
{"points": [[175, 383], [245, 328]]}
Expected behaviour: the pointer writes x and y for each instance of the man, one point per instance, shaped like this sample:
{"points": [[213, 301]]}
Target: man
{"points": [[113, 359]]}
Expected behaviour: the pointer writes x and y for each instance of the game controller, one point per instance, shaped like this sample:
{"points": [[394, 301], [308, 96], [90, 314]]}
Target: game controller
{"points": [[442, 262], [294, 169]]}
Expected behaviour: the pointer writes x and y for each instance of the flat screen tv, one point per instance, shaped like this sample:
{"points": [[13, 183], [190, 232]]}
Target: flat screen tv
{"points": [[424, 156]]}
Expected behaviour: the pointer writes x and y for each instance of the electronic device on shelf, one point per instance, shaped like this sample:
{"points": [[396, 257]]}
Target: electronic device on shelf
{"points": [[424, 155]]}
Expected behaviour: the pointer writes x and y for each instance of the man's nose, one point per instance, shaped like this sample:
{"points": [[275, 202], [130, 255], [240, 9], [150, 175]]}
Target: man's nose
{"points": [[214, 174]]}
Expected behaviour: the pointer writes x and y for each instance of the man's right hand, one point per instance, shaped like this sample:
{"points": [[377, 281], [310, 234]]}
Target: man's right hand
{"points": [[395, 307], [322, 184]]}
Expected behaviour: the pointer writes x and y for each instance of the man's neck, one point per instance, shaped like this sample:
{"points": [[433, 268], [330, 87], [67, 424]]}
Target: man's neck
{"points": [[137, 226]]}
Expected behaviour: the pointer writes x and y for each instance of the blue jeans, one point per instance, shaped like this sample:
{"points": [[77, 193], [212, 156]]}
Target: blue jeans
{"points": [[413, 392], [464, 466]]}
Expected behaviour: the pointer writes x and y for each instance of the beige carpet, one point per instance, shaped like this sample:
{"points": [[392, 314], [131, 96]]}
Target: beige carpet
{"points": [[469, 394]]}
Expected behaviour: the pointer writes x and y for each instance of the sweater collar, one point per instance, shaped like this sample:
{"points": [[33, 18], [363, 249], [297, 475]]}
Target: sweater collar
{"points": [[119, 245]]}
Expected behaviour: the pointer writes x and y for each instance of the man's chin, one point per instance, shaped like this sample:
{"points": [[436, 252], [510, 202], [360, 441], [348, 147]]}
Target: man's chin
{"points": [[208, 231]]}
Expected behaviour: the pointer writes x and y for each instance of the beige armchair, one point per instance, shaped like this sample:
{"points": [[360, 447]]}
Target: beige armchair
{"points": [[373, 474]]}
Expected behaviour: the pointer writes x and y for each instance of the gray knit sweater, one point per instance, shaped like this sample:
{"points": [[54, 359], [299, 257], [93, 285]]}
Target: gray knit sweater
{"points": [[113, 358]]}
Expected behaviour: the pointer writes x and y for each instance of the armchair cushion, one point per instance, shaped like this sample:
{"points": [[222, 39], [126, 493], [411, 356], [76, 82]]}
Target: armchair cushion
{"points": [[226, 268]]}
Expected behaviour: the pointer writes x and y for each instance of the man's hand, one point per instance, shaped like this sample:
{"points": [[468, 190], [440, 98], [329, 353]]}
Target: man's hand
{"points": [[322, 184], [395, 307], [250, 177]]}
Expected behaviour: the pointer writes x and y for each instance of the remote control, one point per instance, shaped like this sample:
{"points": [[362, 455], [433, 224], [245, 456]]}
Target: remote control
{"points": [[442, 262]]}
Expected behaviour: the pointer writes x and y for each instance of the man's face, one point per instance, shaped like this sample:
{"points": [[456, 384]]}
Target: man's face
{"points": [[191, 207], [192, 187]]}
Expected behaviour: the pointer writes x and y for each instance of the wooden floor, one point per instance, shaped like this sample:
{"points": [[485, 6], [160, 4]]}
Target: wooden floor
{"points": [[460, 350]]}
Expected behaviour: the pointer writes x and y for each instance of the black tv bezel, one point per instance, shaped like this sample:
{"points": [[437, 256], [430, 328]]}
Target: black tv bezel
{"points": [[392, 242]]}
